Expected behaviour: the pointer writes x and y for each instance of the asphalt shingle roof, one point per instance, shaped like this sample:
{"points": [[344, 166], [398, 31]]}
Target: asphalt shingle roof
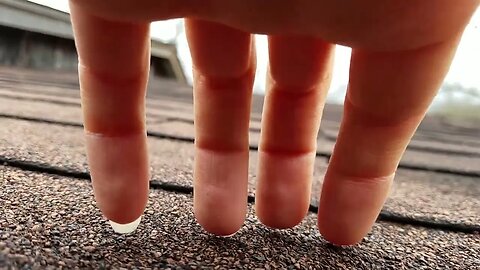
{"points": [[431, 220]]}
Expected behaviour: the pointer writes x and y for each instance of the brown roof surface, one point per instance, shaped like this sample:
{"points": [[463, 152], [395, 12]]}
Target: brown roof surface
{"points": [[431, 219]]}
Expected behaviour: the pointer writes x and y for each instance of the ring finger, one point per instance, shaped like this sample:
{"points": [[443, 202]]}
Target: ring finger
{"points": [[299, 77]]}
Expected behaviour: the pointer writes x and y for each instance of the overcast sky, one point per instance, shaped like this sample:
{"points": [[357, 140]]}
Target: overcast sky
{"points": [[465, 68]]}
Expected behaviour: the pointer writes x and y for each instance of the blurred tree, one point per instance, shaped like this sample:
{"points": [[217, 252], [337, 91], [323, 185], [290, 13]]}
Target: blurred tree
{"points": [[457, 101]]}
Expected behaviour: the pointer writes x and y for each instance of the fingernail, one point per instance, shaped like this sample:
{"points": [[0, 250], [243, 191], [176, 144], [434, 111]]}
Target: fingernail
{"points": [[125, 228]]}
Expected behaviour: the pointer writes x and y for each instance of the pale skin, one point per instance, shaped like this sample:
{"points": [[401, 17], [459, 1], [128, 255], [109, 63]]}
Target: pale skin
{"points": [[402, 50]]}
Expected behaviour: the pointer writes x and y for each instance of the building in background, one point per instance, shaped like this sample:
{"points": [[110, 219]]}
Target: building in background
{"points": [[38, 37]]}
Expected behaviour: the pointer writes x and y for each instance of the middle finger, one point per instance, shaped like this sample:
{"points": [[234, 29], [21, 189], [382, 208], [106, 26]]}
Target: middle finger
{"points": [[224, 68]]}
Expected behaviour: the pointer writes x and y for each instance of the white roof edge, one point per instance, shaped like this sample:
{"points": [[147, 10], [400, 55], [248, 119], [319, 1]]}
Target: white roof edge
{"points": [[37, 9]]}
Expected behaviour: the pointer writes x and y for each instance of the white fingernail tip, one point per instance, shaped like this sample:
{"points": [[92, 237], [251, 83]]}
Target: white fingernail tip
{"points": [[125, 228]]}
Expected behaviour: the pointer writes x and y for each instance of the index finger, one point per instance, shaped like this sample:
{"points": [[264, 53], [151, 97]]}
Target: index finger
{"points": [[388, 95]]}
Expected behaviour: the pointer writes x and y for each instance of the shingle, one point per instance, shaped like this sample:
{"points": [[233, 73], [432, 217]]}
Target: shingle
{"points": [[160, 111], [436, 196], [62, 146], [420, 143], [432, 195], [52, 221]]}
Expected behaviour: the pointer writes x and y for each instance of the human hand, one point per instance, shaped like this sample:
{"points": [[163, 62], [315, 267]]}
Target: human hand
{"points": [[401, 53]]}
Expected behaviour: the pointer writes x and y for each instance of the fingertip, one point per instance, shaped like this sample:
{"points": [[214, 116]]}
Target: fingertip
{"points": [[225, 226], [220, 221], [277, 220], [220, 190], [333, 236], [120, 175], [350, 206], [283, 188]]}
